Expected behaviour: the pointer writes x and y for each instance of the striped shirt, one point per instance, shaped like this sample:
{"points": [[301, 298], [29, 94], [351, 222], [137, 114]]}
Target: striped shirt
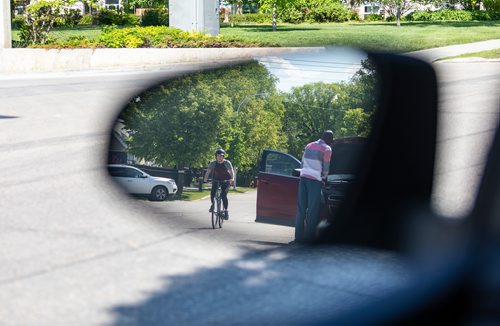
{"points": [[316, 160]]}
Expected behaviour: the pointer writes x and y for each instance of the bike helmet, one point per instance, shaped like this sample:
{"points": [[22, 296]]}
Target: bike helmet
{"points": [[220, 151]]}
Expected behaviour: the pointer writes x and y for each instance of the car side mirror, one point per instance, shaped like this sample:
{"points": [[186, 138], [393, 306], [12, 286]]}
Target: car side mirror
{"points": [[397, 170], [296, 172]]}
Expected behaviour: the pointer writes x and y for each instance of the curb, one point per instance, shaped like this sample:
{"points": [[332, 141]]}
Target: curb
{"points": [[14, 61]]}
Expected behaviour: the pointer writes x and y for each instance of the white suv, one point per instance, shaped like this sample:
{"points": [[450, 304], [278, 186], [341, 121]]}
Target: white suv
{"points": [[138, 182]]}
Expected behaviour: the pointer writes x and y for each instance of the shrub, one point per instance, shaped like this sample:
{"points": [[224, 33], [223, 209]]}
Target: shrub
{"points": [[40, 19], [373, 17], [419, 16], [107, 17], [72, 17], [452, 15], [113, 37], [326, 11], [249, 18], [17, 22], [292, 14], [163, 37], [130, 20], [315, 11], [72, 43], [394, 18], [86, 20], [354, 15], [485, 15], [155, 17], [112, 17]]}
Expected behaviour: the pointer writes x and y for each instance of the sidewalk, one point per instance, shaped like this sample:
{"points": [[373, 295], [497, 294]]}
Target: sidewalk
{"points": [[432, 55]]}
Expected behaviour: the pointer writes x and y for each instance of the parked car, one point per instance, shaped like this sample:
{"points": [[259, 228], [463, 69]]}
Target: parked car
{"points": [[278, 182], [138, 182]]}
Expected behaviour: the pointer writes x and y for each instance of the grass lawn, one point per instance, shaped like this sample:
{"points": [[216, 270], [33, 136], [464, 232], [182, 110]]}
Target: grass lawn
{"points": [[371, 36], [188, 194], [491, 54], [64, 33], [375, 36]]}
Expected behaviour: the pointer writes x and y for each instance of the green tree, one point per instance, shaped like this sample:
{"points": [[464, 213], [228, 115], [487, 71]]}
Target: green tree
{"points": [[311, 109], [177, 123], [255, 120], [131, 4], [345, 107], [355, 122], [465, 4], [274, 6], [41, 16], [239, 4], [493, 5], [361, 91], [258, 125], [181, 122], [397, 8]]}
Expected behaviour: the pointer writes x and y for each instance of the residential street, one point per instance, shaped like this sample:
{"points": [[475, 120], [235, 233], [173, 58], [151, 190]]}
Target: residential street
{"points": [[75, 251]]}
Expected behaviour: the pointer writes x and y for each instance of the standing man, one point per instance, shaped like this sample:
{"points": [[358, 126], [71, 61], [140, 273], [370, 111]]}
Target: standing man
{"points": [[315, 166], [222, 172]]}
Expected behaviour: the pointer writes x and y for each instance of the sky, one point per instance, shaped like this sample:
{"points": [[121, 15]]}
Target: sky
{"points": [[328, 65]]}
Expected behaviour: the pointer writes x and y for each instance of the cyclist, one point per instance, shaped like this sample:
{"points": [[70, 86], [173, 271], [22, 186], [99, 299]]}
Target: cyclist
{"points": [[221, 171]]}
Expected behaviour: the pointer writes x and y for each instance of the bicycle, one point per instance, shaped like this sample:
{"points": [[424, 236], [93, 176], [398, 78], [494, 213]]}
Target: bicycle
{"points": [[217, 211]]}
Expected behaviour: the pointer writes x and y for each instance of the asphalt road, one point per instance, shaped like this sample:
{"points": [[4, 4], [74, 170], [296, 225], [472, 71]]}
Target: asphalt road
{"points": [[468, 117], [74, 250]]}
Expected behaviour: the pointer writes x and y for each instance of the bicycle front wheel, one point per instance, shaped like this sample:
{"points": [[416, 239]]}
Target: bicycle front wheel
{"points": [[215, 215], [220, 213], [220, 218]]}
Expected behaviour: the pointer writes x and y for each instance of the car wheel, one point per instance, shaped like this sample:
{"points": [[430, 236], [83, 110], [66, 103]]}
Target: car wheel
{"points": [[159, 193]]}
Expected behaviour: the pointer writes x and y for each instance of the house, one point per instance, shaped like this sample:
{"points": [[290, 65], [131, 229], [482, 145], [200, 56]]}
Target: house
{"points": [[107, 4]]}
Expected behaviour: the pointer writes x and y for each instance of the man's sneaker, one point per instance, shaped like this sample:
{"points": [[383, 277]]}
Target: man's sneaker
{"points": [[226, 215], [211, 209]]}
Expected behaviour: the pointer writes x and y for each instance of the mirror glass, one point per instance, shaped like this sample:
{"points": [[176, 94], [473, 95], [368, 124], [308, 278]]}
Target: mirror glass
{"points": [[262, 113]]}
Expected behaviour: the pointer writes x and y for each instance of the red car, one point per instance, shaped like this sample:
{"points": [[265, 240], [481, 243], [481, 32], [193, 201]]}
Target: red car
{"points": [[278, 182]]}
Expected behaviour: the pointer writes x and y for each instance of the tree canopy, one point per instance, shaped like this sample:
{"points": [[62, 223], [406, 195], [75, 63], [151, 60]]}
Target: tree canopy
{"points": [[182, 121]]}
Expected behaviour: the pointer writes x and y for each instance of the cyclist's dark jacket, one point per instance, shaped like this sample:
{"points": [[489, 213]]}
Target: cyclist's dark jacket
{"points": [[220, 171]]}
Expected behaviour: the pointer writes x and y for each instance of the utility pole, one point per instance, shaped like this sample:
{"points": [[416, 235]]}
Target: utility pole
{"points": [[5, 29]]}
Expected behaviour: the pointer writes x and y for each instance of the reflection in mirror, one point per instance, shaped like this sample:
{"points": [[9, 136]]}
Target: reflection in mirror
{"points": [[262, 113]]}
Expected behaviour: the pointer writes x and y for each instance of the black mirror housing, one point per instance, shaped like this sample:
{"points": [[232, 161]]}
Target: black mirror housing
{"points": [[398, 165]]}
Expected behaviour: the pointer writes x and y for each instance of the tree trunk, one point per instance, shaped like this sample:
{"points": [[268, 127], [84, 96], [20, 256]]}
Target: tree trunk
{"points": [[274, 16], [398, 16]]}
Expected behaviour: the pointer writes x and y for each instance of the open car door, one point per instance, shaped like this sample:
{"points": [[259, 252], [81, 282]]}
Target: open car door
{"points": [[277, 188]]}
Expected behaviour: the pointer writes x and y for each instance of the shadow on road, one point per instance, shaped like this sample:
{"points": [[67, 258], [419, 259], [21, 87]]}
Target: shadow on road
{"points": [[279, 286]]}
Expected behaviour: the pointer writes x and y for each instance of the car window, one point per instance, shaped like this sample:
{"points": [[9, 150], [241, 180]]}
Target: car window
{"points": [[117, 171], [132, 173], [278, 163]]}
